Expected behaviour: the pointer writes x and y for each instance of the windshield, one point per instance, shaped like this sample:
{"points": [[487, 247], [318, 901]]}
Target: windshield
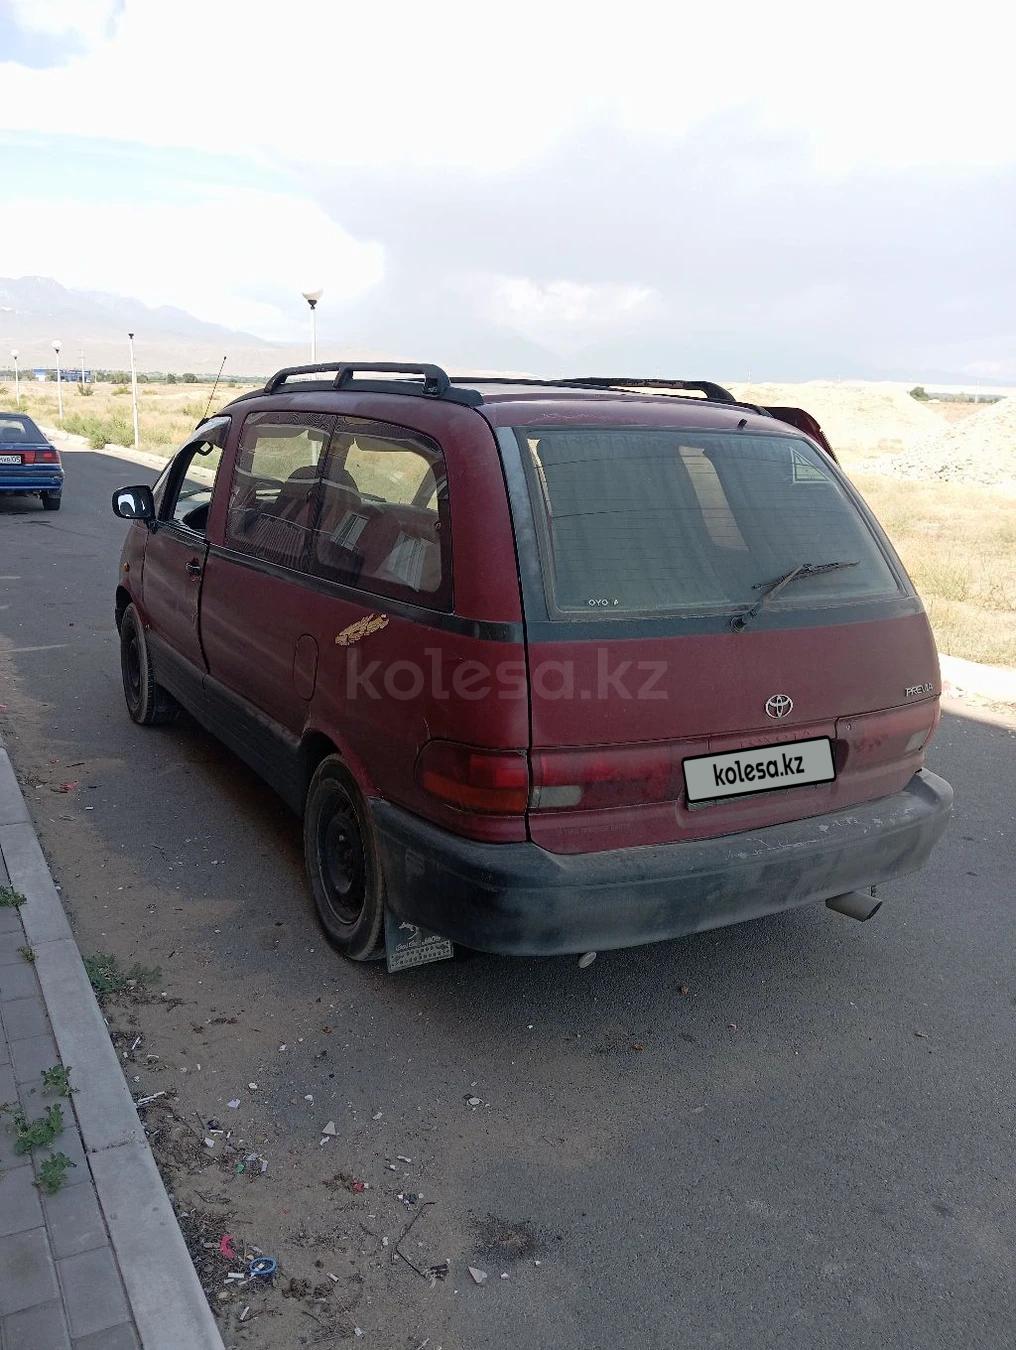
{"points": [[17, 430], [651, 521]]}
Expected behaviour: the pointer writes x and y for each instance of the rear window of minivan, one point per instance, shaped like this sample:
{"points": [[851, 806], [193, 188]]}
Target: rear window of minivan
{"points": [[640, 520]]}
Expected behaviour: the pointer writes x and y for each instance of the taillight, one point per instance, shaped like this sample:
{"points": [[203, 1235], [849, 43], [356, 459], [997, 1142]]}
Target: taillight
{"points": [[473, 779], [39, 457], [607, 776]]}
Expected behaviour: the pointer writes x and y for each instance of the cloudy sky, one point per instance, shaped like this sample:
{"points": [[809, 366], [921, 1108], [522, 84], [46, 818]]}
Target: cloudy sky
{"points": [[774, 190]]}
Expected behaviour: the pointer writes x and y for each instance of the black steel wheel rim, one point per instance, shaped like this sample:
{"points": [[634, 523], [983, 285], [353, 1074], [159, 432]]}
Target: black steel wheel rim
{"points": [[341, 862]]}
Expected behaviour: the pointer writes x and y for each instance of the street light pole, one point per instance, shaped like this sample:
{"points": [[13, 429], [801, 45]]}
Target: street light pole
{"points": [[312, 298], [17, 382], [59, 387], [134, 392]]}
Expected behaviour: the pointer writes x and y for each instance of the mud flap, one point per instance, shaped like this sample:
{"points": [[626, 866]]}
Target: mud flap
{"points": [[407, 945]]}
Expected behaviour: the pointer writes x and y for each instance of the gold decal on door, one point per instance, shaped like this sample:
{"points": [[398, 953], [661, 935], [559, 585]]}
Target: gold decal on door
{"points": [[372, 623]]}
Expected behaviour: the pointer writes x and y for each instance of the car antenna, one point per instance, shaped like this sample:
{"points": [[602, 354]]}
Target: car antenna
{"points": [[212, 394]]}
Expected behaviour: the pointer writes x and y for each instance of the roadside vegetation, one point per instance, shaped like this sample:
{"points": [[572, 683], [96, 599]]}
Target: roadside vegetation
{"points": [[33, 1135], [958, 542], [108, 977], [166, 412]]}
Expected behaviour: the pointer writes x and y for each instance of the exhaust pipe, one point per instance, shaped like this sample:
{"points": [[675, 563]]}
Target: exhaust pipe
{"points": [[855, 905]]}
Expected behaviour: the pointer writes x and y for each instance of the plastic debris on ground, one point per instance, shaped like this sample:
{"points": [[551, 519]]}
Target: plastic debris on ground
{"points": [[479, 1276]]}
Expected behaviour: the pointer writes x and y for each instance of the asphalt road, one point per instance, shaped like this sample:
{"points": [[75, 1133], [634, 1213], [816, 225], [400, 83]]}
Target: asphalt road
{"points": [[812, 1147]]}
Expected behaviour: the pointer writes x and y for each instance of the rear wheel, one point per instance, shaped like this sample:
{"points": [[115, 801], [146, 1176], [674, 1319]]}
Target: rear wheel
{"points": [[147, 702], [343, 864], [51, 501]]}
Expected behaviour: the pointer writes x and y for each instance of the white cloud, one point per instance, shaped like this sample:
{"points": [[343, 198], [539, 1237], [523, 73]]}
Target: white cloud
{"points": [[210, 254], [566, 314], [876, 83], [87, 20]]}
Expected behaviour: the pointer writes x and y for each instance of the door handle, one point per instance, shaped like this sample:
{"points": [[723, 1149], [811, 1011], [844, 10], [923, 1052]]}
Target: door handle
{"points": [[194, 567]]}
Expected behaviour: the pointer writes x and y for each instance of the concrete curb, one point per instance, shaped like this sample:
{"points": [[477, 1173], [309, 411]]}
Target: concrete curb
{"points": [[961, 678], [167, 1301], [68, 441]]}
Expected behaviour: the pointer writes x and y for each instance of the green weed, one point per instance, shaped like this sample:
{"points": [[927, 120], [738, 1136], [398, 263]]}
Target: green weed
{"points": [[53, 1173], [39, 1133], [10, 898], [57, 1079], [107, 976]]}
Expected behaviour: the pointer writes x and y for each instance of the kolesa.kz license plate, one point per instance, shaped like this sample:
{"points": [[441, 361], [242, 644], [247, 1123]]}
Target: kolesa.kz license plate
{"points": [[10, 459], [759, 770]]}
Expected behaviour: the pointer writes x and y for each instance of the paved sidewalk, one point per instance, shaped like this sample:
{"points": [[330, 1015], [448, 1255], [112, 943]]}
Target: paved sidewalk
{"points": [[60, 1284], [100, 1265]]}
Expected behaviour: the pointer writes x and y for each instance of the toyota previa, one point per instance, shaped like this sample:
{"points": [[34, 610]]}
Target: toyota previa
{"points": [[544, 666]]}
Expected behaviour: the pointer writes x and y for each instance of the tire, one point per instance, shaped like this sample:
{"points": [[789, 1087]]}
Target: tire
{"points": [[147, 702], [51, 501], [343, 863]]}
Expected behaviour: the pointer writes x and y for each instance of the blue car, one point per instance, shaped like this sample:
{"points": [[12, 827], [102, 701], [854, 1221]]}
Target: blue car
{"points": [[28, 462]]}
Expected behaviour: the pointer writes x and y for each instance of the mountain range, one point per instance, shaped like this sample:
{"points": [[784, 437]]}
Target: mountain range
{"points": [[35, 310]]}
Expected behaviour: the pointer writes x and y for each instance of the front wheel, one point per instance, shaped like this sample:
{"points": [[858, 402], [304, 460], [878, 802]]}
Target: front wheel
{"points": [[147, 702], [343, 864], [51, 501]]}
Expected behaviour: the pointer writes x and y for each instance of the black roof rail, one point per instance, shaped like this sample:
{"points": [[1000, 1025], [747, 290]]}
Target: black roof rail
{"points": [[435, 382], [715, 393]]}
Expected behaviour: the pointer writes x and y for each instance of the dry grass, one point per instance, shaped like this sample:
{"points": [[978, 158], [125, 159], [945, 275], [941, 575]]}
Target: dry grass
{"points": [[959, 545], [166, 412]]}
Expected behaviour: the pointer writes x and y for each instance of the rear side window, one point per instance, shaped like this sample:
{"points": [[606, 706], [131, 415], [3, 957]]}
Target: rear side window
{"points": [[653, 521], [273, 496], [383, 522]]}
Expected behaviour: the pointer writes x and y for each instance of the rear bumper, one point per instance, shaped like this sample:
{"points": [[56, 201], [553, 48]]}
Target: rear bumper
{"points": [[31, 482], [522, 900]]}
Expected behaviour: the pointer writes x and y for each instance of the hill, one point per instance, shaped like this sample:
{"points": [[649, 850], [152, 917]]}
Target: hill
{"points": [[35, 310]]}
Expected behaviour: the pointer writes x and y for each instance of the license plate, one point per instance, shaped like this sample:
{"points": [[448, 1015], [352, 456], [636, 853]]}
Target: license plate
{"points": [[10, 459], [761, 769]]}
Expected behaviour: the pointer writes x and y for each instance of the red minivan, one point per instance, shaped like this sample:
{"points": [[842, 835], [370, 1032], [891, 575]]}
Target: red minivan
{"points": [[546, 666]]}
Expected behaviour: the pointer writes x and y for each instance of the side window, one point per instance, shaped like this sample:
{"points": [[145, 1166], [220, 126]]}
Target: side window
{"points": [[183, 492], [273, 496], [383, 525]]}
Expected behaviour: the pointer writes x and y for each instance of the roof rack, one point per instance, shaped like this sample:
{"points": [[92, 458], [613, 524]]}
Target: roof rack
{"points": [[715, 393], [435, 382]]}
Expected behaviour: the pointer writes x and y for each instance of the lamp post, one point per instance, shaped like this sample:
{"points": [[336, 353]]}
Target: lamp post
{"points": [[57, 344], [17, 381], [134, 391], [312, 298]]}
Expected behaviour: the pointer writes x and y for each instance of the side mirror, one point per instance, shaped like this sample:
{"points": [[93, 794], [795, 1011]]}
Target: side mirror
{"points": [[134, 503]]}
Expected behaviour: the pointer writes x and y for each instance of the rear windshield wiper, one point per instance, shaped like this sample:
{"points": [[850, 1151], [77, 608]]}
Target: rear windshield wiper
{"points": [[771, 588]]}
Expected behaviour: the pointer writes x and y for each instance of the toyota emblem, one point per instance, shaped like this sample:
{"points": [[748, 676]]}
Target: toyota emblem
{"points": [[779, 705]]}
